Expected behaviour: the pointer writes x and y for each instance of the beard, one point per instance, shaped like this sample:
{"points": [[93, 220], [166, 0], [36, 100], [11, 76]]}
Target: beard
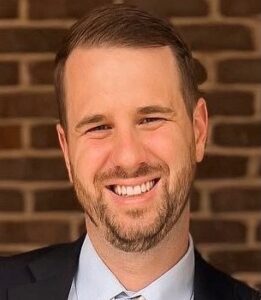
{"points": [[172, 200]]}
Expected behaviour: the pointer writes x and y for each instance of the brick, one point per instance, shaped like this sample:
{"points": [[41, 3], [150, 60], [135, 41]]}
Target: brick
{"points": [[8, 253], [43, 232], [50, 9], [229, 103], [11, 200], [173, 8], [9, 71], [200, 72], [30, 168], [194, 200], [82, 228], [259, 166], [27, 104], [239, 71], [56, 200], [218, 166], [212, 231], [238, 135], [10, 137], [44, 137], [41, 72], [23, 39], [237, 261], [8, 9], [235, 199], [240, 8], [258, 232], [211, 37]]}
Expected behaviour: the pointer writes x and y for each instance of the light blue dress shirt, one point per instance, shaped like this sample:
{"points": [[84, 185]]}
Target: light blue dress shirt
{"points": [[94, 280]]}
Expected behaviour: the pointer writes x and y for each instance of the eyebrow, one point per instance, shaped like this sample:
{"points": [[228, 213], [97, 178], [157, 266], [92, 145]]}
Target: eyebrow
{"points": [[90, 120], [154, 109]]}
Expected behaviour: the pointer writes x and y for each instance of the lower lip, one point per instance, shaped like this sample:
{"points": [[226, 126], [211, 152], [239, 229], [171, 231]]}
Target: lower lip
{"points": [[136, 199]]}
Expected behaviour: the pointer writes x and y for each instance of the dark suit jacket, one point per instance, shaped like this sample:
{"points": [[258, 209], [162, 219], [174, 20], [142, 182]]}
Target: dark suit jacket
{"points": [[47, 274]]}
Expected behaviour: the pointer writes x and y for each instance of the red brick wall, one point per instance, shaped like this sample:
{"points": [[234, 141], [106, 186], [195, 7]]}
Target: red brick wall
{"points": [[37, 205]]}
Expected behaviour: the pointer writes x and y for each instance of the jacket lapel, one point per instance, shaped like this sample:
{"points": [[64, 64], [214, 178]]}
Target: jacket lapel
{"points": [[210, 284], [201, 288], [52, 274]]}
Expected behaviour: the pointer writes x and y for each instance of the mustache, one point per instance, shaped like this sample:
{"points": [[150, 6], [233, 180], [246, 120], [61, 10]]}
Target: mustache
{"points": [[142, 170]]}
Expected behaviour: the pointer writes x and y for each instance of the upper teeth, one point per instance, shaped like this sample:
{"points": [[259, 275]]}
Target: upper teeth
{"points": [[127, 190]]}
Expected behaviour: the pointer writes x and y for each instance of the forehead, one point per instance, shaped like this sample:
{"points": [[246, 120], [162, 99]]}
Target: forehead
{"points": [[110, 74]]}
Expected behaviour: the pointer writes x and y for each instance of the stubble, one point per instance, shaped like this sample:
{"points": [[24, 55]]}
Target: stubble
{"points": [[173, 199]]}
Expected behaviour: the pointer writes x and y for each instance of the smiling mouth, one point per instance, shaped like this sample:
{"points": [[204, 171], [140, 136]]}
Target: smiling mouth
{"points": [[133, 190]]}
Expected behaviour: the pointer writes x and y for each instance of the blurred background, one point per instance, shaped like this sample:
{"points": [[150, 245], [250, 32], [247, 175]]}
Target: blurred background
{"points": [[37, 204]]}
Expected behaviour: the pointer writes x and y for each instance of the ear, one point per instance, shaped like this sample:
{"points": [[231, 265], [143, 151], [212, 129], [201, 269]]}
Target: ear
{"points": [[65, 148], [200, 125]]}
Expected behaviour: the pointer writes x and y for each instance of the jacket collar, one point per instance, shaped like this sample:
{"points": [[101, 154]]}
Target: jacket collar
{"points": [[52, 274], [209, 283]]}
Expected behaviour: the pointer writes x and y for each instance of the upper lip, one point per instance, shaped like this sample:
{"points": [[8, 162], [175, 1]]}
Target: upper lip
{"points": [[131, 181]]}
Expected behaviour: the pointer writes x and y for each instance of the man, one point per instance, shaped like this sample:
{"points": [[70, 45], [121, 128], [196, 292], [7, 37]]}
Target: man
{"points": [[132, 128]]}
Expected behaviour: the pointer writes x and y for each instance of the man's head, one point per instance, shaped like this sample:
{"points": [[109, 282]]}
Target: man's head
{"points": [[134, 127], [125, 26]]}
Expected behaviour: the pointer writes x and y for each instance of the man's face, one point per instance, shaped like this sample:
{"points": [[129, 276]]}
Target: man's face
{"points": [[131, 148]]}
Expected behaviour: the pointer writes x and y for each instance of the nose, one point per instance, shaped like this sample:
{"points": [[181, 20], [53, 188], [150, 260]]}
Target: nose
{"points": [[128, 151]]}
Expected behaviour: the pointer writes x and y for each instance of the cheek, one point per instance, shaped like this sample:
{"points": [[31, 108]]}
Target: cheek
{"points": [[90, 157], [166, 144]]}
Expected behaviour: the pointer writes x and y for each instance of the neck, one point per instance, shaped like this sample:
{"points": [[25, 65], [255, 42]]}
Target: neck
{"points": [[137, 270]]}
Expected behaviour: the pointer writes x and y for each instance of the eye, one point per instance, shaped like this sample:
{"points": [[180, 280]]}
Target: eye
{"points": [[99, 128], [150, 120]]}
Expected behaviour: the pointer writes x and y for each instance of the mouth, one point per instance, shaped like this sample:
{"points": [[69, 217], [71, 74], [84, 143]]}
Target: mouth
{"points": [[133, 190]]}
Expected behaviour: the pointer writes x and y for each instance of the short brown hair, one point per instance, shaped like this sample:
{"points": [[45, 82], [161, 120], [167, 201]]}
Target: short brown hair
{"points": [[125, 26]]}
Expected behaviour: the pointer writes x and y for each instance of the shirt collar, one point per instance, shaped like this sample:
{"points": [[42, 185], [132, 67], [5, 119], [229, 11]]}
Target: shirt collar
{"points": [[94, 280], [176, 283]]}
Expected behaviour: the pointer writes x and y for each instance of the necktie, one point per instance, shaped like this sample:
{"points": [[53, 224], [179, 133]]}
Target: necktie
{"points": [[139, 297]]}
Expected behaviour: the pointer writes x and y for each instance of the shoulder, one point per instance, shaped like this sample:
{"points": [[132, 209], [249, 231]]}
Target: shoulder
{"points": [[211, 281], [19, 260], [14, 269], [17, 269]]}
